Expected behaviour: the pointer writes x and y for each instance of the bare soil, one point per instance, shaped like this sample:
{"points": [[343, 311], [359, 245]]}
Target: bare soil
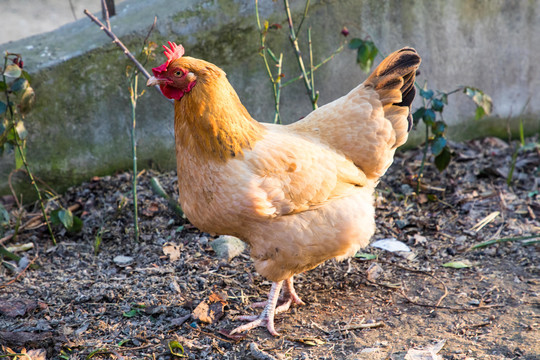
{"points": [[85, 302]]}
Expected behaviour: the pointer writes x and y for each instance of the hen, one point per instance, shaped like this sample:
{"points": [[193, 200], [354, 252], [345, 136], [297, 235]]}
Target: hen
{"points": [[298, 194]]}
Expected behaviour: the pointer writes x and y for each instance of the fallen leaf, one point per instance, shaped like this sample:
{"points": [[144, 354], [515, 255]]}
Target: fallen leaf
{"points": [[150, 210], [173, 251], [211, 310], [374, 272], [36, 354], [457, 264]]}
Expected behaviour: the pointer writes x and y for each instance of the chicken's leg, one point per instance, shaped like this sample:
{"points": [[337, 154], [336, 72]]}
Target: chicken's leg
{"points": [[285, 301], [270, 310], [267, 315]]}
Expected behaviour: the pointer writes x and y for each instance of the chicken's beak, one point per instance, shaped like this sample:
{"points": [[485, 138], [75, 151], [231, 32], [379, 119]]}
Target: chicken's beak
{"points": [[153, 81]]}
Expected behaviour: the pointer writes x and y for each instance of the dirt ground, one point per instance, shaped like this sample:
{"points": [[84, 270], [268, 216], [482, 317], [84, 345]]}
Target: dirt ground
{"points": [[129, 300]]}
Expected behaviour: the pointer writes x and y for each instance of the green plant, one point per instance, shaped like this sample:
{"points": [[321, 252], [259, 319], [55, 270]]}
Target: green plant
{"points": [[133, 80], [431, 113], [269, 57], [19, 98], [132, 73], [65, 218]]}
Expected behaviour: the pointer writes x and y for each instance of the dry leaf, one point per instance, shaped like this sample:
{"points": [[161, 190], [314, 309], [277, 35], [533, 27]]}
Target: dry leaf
{"points": [[173, 251], [211, 310]]}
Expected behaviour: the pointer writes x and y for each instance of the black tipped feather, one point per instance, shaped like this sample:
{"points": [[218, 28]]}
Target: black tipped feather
{"points": [[398, 70]]}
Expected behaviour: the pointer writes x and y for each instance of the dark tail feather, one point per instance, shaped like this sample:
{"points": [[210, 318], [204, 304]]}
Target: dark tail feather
{"points": [[396, 72]]}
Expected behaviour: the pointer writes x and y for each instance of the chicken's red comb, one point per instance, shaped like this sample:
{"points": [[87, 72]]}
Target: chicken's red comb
{"points": [[175, 51], [172, 53]]}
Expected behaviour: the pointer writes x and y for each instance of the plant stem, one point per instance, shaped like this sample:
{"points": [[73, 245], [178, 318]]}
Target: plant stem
{"points": [[422, 164], [337, 51], [294, 42], [314, 94], [275, 81], [306, 8], [22, 155], [133, 96]]}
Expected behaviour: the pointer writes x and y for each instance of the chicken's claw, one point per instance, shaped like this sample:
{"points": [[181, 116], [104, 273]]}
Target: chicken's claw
{"points": [[270, 310], [267, 315]]}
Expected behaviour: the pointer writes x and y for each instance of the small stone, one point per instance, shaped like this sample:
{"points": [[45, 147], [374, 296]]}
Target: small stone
{"points": [[227, 247], [122, 260]]}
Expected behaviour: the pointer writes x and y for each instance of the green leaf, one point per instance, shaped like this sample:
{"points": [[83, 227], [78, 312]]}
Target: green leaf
{"points": [[77, 225], [443, 159], [97, 351], [53, 217], [3, 86], [3, 108], [444, 98], [12, 71], [355, 43], [174, 346], [479, 113], [438, 127], [26, 75], [131, 313], [437, 105], [366, 54], [66, 218], [426, 93], [122, 342], [19, 162], [457, 265], [418, 114], [19, 85], [8, 255], [429, 117], [366, 256], [437, 145], [4, 216]]}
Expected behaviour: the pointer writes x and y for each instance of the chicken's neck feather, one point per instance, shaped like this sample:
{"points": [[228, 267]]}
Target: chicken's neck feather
{"points": [[210, 121]]}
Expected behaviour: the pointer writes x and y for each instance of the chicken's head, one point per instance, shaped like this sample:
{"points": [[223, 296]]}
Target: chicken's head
{"points": [[174, 76]]}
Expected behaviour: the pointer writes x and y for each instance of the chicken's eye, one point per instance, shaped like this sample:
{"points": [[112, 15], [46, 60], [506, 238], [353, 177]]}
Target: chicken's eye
{"points": [[178, 73]]}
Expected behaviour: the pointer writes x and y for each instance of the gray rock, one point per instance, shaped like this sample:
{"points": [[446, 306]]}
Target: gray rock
{"points": [[122, 260], [227, 247]]}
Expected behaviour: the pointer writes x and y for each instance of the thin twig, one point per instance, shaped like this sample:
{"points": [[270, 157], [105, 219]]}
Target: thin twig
{"points": [[363, 326], [301, 76], [105, 10], [119, 44]]}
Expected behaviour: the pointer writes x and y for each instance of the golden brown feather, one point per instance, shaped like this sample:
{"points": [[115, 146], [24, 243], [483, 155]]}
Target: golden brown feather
{"points": [[299, 194]]}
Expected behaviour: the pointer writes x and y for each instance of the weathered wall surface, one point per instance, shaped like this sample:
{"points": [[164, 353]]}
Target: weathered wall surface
{"points": [[80, 125]]}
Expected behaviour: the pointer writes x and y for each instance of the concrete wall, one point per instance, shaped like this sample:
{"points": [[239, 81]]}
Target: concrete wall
{"points": [[80, 125]]}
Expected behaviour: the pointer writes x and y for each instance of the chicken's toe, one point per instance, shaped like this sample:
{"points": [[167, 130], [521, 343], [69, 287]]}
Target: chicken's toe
{"points": [[267, 315]]}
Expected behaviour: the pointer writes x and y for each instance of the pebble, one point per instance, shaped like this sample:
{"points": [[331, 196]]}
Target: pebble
{"points": [[122, 260], [228, 247]]}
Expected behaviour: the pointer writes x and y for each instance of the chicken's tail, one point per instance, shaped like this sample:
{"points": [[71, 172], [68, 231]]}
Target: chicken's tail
{"points": [[394, 80]]}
